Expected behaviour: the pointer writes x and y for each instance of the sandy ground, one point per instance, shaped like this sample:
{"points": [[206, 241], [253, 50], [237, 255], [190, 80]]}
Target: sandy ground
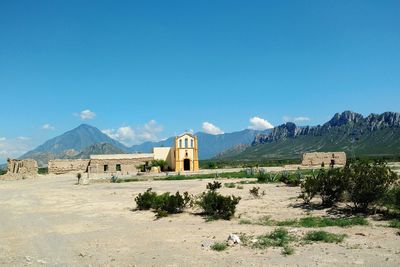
{"points": [[50, 221]]}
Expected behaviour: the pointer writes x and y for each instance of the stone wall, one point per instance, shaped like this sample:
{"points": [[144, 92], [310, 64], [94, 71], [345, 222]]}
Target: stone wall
{"points": [[120, 166], [317, 158], [62, 166], [18, 169]]}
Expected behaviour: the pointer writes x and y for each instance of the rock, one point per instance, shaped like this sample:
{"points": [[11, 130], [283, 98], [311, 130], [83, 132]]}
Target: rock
{"points": [[207, 243], [231, 243], [293, 231], [361, 234], [234, 238]]}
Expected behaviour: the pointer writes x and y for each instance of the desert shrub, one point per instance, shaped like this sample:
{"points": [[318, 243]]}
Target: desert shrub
{"points": [[314, 222], [322, 236], [217, 206], [392, 198], [114, 178], [146, 200], [230, 185], [329, 185], [214, 186], [43, 170], [368, 182], [219, 246], [255, 192], [287, 250], [291, 179], [239, 187], [163, 204], [394, 224], [278, 238], [264, 177], [170, 204], [211, 165]]}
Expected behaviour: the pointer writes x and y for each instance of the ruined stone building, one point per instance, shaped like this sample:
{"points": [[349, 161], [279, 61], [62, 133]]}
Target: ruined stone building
{"points": [[18, 169], [324, 158]]}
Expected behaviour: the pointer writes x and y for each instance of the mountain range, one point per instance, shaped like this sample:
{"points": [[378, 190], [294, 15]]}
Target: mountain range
{"points": [[377, 135], [85, 140], [374, 135]]}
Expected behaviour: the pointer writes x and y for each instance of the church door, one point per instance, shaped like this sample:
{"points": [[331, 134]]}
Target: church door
{"points": [[186, 164]]}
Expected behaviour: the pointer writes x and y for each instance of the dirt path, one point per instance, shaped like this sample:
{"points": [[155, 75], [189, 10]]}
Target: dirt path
{"points": [[52, 222]]}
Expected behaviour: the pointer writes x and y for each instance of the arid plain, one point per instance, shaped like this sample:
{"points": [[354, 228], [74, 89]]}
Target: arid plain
{"points": [[51, 221]]}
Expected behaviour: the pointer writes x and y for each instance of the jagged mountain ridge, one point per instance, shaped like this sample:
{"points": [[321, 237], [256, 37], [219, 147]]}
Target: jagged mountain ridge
{"points": [[374, 135]]}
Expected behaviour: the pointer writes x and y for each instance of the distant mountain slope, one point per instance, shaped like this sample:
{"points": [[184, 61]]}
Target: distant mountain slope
{"points": [[99, 149], [375, 135], [209, 145], [70, 144]]}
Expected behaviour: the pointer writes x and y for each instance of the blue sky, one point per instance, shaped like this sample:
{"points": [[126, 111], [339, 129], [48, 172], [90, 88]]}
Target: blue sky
{"points": [[145, 70]]}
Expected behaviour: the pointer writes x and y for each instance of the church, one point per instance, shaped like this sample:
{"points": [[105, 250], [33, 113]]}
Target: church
{"points": [[183, 156]]}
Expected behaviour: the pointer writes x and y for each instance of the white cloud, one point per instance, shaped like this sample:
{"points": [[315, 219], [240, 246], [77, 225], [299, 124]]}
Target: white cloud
{"points": [[48, 126], [87, 114], [135, 135], [257, 123], [23, 138], [211, 128], [300, 119], [13, 147]]}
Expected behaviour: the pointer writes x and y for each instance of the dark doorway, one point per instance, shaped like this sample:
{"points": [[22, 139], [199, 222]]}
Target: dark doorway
{"points": [[186, 164]]}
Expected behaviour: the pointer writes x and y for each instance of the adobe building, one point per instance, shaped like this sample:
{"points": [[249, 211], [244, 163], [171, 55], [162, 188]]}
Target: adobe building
{"points": [[124, 164], [21, 169], [324, 158]]}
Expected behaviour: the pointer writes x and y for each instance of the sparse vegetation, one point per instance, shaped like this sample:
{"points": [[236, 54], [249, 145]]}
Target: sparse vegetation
{"points": [[160, 163], [314, 222], [230, 185], [163, 204], [365, 183], [214, 186], [395, 224], [219, 246], [43, 170], [144, 201], [217, 206], [322, 236], [255, 192], [368, 182], [329, 185]]}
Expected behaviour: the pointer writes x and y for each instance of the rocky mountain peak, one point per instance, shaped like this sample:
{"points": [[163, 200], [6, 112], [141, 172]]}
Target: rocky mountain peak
{"points": [[345, 117]]}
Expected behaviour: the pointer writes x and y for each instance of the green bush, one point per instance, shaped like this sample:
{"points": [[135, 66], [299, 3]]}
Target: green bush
{"points": [[278, 238], [368, 183], [160, 163], [214, 186], [322, 236], [171, 204], [329, 185], [146, 200], [230, 185], [217, 206], [264, 177], [163, 204], [291, 179], [392, 198], [219, 246]]}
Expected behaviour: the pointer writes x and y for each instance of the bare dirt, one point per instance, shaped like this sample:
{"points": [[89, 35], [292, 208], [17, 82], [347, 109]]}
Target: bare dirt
{"points": [[50, 221]]}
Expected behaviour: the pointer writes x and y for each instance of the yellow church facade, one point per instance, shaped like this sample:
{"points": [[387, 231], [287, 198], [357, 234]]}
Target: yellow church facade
{"points": [[183, 156]]}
